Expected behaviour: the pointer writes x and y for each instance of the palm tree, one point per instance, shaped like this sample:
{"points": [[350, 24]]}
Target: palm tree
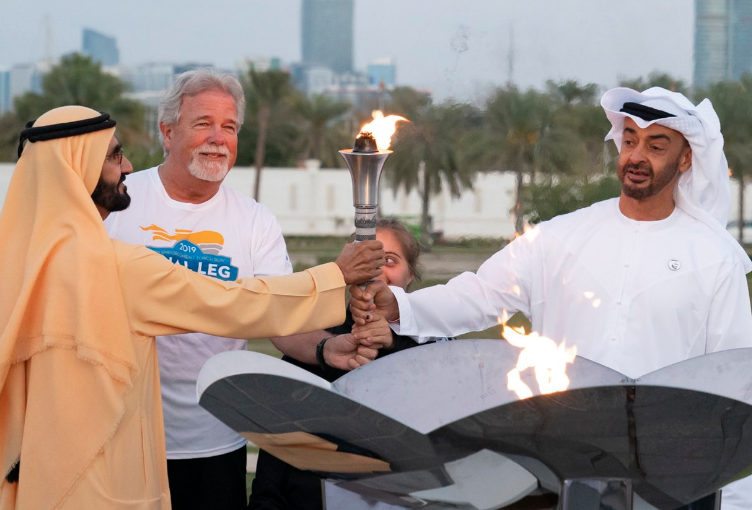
{"points": [[269, 95], [322, 137], [520, 133], [570, 92], [578, 111], [425, 151], [655, 79]]}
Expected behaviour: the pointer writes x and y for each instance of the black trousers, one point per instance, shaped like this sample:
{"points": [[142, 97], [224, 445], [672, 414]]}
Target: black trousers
{"points": [[280, 486], [209, 483]]}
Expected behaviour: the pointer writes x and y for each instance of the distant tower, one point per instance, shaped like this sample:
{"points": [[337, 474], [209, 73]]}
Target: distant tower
{"points": [[741, 38], [510, 55], [327, 34], [101, 48], [723, 40], [47, 40], [5, 104], [383, 71]]}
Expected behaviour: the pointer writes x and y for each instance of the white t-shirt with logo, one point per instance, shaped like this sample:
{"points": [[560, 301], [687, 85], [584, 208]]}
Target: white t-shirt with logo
{"points": [[228, 237]]}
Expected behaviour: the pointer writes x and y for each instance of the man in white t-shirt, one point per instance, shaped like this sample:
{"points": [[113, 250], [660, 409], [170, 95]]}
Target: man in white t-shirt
{"points": [[181, 210]]}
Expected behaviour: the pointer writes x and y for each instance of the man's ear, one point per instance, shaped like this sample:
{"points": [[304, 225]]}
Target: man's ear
{"points": [[166, 130], [685, 161]]}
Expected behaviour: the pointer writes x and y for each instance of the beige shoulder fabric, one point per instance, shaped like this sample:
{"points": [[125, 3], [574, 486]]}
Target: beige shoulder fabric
{"points": [[61, 300]]}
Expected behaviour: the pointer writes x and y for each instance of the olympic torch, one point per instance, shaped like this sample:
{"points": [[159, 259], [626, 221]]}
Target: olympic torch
{"points": [[365, 161]]}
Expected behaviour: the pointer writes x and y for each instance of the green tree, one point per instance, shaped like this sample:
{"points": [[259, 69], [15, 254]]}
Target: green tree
{"points": [[322, 136], [543, 201], [578, 111], [570, 92], [425, 150], [521, 134], [10, 130], [77, 80], [594, 179], [270, 96], [655, 79]]}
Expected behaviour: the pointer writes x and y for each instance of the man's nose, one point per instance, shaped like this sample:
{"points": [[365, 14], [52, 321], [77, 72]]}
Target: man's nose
{"points": [[125, 166], [217, 136], [638, 154]]}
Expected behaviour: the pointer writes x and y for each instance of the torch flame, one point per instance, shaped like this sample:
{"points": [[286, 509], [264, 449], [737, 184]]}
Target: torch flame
{"points": [[504, 318], [382, 128], [542, 354]]}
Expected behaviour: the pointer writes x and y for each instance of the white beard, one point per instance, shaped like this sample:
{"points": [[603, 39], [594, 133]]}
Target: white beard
{"points": [[211, 171]]}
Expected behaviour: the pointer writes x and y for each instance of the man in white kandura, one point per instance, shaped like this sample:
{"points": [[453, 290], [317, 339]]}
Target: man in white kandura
{"points": [[637, 282]]}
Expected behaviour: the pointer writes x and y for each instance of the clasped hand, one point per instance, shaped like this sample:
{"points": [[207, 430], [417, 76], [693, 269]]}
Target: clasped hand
{"points": [[370, 309]]}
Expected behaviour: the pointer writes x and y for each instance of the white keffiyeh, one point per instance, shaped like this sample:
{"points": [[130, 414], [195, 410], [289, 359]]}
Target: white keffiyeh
{"points": [[702, 192]]}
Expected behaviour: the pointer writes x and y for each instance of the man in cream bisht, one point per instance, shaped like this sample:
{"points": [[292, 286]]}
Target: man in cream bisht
{"points": [[80, 412], [637, 282]]}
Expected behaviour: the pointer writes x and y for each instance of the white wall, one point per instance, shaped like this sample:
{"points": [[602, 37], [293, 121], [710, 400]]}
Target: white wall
{"points": [[313, 201]]}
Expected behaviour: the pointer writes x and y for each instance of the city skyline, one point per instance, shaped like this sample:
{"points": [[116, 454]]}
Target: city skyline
{"points": [[456, 49]]}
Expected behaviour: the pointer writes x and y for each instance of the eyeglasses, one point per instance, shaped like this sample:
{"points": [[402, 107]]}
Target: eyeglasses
{"points": [[116, 157]]}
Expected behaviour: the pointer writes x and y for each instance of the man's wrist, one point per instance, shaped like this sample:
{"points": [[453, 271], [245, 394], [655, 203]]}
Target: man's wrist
{"points": [[393, 315], [320, 358], [336, 263]]}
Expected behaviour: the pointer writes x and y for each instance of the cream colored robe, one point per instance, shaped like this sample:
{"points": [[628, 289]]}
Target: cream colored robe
{"points": [[161, 299]]}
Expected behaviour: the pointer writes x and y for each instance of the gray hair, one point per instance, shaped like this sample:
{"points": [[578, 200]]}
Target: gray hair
{"points": [[193, 83]]}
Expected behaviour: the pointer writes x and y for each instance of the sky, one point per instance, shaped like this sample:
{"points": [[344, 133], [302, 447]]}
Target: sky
{"points": [[458, 49]]}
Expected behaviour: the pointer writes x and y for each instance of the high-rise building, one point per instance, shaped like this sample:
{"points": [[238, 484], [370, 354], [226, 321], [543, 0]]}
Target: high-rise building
{"points": [[101, 48], [741, 38], [4, 91], [723, 40], [327, 34], [382, 70], [312, 80], [26, 78]]}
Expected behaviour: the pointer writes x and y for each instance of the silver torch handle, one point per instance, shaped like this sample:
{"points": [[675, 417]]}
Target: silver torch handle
{"points": [[365, 228]]}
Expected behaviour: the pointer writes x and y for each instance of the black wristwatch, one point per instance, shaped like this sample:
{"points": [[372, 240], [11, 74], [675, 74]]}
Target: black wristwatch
{"points": [[320, 353]]}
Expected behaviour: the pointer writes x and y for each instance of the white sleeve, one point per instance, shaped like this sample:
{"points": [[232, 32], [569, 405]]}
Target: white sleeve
{"points": [[404, 306], [470, 301], [270, 256], [730, 314]]}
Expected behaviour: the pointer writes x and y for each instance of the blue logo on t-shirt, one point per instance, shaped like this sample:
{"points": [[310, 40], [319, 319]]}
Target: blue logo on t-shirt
{"points": [[189, 255]]}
